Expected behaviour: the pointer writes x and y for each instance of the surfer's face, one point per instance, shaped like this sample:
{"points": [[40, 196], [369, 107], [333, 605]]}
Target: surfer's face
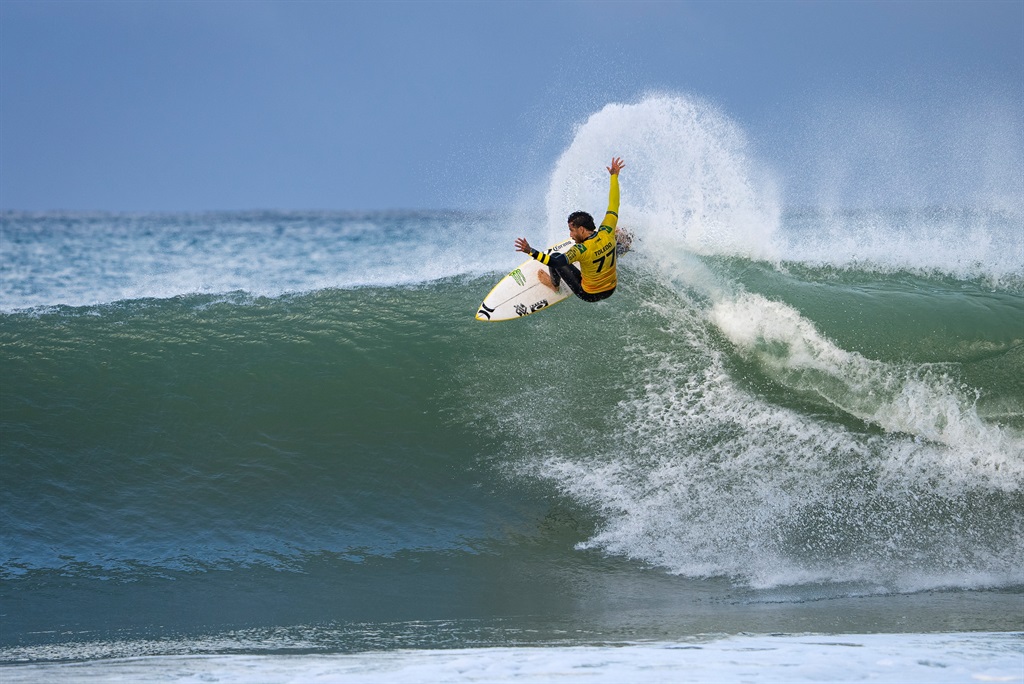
{"points": [[578, 233]]}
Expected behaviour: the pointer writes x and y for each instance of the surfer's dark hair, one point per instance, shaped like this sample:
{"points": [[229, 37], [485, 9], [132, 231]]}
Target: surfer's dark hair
{"points": [[582, 219]]}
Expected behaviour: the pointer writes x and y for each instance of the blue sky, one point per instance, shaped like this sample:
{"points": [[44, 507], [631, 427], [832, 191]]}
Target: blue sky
{"points": [[170, 106]]}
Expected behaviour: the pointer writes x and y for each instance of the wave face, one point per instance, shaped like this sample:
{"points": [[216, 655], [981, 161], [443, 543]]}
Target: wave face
{"points": [[199, 410]]}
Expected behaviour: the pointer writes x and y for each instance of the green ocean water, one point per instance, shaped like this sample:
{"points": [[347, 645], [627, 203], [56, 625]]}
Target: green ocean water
{"points": [[374, 456]]}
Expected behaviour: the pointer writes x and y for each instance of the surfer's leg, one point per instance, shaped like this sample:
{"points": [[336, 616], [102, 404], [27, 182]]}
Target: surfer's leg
{"points": [[561, 270], [554, 279]]}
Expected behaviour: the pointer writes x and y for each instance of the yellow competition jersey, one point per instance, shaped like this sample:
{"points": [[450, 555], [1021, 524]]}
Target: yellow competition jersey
{"points": [[596, 254]]}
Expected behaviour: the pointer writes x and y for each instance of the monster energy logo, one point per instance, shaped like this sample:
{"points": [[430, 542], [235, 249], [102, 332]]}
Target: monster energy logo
{"points": [[518, 276]]}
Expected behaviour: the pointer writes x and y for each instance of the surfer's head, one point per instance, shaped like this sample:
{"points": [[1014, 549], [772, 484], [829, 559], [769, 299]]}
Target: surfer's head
{"points": [[581, 226], [582, 219]]}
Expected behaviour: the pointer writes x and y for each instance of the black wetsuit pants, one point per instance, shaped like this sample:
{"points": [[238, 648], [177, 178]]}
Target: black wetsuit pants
{"points": [[561, 270]]}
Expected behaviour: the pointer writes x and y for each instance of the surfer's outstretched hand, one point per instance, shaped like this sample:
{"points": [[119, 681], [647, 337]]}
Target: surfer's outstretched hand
{"points": [[522, 245], [617, 165]]}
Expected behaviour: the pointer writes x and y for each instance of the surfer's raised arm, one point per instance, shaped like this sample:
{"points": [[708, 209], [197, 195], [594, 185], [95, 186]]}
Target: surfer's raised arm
{"points": [[623, 237], [611, 216]]}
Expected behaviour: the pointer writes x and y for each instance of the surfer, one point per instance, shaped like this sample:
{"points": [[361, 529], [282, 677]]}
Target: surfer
{"points": [[595, 250]]}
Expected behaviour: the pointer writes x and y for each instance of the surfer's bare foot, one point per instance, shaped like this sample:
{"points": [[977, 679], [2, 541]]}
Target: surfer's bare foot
{"points": [[545, 278]]}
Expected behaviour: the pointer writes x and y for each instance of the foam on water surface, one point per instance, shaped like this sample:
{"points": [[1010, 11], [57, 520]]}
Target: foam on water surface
{"points": [[934, 658]]}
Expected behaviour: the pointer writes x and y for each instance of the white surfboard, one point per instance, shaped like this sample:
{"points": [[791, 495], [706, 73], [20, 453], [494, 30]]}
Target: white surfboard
{"points": [[520, 293]]}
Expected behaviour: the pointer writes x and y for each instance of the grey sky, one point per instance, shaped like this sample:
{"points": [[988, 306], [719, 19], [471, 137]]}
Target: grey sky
{"points": [[401, 105]]}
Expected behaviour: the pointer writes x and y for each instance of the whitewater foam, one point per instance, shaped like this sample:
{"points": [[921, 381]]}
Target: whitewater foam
{"points": [[965, 243], [89, 259], [921, 401], [692, 182], [994, 657], [689, 178]]}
